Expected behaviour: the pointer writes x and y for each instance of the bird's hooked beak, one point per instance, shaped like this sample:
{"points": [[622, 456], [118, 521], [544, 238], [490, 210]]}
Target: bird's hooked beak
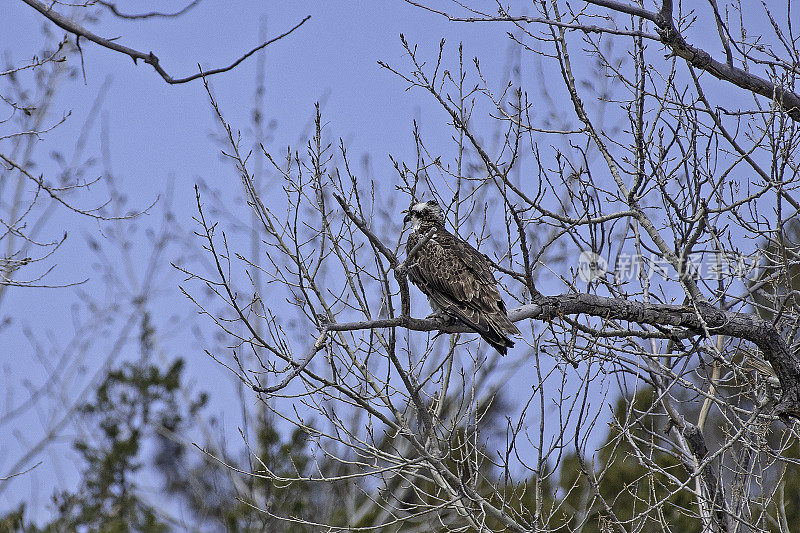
{"points": [[407, 218]]}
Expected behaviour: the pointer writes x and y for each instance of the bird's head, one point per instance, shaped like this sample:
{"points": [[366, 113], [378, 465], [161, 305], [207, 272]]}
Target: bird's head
{"points": [[424, 215]]}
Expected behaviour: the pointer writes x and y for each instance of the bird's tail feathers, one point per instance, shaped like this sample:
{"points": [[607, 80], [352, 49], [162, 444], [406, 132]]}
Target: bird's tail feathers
{"points": [[508, 326], [492, 328], [498, 341]]}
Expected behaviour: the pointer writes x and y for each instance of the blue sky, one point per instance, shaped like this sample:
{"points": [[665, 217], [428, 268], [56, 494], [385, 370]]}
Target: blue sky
{"points": [[159, 134]]}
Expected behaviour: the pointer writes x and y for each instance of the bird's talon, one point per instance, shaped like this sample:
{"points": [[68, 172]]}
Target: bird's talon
{"points": [[442, 317]]}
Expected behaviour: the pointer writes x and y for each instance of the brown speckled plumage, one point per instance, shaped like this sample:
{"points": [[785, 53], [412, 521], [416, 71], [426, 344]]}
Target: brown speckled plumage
{"points": [[457, 278]]}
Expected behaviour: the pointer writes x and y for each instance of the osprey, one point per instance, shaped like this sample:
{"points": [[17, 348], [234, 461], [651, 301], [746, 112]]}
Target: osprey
{"points": [[456, 277]]}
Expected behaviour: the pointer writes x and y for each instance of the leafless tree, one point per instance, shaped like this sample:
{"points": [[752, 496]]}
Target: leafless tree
{"points": [[641, 211], [47, 191], [27, 97]]}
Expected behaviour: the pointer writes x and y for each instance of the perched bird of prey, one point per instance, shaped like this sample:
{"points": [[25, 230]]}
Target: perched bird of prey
{"points": [[456, 277]]}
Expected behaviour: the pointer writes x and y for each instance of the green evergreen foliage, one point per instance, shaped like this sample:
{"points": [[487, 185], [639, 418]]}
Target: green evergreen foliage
{"points": [[219, 501], [139, 404], [630, 487], [134, 404]]}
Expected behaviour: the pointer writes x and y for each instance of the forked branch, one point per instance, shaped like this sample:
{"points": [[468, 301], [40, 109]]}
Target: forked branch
{"points": [[150, 58]]}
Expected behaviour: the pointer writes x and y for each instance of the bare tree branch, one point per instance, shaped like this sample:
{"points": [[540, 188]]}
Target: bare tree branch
{"points": [[788, 100], [152, 14], [149, 58]]}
